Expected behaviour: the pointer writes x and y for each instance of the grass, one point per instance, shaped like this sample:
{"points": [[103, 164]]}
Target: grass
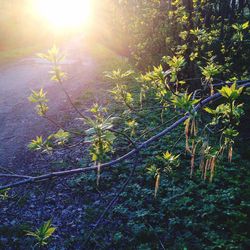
{"points": [[13, 54], [105, 60], [108, 59]]}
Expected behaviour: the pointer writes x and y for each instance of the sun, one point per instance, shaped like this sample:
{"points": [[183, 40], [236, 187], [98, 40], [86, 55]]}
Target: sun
{"points": [[64, 14]]}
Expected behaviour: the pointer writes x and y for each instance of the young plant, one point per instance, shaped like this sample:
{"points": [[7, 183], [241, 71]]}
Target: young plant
{"points": [[221, 115], [39, 144], [176, 63], [230, 134], [185, 102], [42, 234], [156, 80], [119, 77], [4, 194], [100, 135], [61, 137], [165, 164], [55, 57], [121, 94], [239, 31], [231, 93], [208, 72], [227, 117], [120, 91], [40, 98]]}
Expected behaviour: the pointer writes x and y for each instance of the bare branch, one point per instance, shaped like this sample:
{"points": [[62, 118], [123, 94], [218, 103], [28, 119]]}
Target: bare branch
{"points": [[14, 176], [142, 146], [111, 203]]}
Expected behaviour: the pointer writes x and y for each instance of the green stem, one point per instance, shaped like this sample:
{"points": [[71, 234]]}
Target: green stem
{"points": [[231, 112], [71, 102]]}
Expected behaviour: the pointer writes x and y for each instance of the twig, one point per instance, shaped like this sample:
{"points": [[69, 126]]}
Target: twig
{"points": [[124, 135], [45, 195], [111, 203], [153, 129], [15, 176], [180, 137], [60, 126], [122, 158], [6, 170], [71, 102], [230, 83], [158, 238]]}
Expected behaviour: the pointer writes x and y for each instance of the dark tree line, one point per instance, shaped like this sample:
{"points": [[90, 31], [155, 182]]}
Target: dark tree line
{"points": [[147, 30]]}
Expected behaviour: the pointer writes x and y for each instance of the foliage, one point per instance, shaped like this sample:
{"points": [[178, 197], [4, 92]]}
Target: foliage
{"points": [[4, 194], [61, 137], [118, 76], [166, 90], [209, 215], [42, 234], [184, 193], [231, 93], [239, 28], [39, 144], [40, 98], [184, 102], [210, 70], [192, 29], [55, 57], [165, 163], [99, 133]]}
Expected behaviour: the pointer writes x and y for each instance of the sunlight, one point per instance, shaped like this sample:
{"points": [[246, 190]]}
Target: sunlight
{"points": [[64, 14]]}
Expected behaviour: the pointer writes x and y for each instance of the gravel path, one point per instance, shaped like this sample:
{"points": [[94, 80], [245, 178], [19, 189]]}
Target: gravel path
{"points": [[18, 121], [59, 200]]}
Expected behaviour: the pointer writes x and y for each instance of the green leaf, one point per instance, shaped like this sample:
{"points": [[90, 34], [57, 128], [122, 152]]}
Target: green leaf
{"points": [[209, 110], [61, 137], [42, 233], [231, 93], [245, 25]]}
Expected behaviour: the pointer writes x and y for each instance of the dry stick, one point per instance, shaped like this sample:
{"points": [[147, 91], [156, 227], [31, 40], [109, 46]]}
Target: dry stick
{"points": [[230, 83], [153, 129], [69, 98], [60, 126], [6, 170], [71, 102], [44, 196], [124, 135], [120, 159], [14, 176], [158, 238], [178, 140], [111, 203]]}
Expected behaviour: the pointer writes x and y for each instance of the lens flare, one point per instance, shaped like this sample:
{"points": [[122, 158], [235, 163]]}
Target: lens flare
{"points": [[64, 14]]}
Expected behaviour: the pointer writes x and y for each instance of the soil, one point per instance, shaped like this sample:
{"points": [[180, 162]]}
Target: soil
{"points": [[18, 121], [30, 206]]}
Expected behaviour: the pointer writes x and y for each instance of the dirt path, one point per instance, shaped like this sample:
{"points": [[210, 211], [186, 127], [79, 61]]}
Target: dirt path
{"points": [[18, 121]]}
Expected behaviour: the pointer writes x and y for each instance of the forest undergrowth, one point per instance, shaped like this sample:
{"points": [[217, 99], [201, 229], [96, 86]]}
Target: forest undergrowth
{"points": [[166, 163]]}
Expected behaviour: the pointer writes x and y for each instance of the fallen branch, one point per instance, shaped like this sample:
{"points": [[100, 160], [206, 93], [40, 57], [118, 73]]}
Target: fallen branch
{"points": [[122, 158], [111, 203], [14, 176]]}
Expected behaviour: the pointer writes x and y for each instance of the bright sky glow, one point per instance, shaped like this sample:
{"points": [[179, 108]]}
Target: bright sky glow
{"points": [[64, 14]]}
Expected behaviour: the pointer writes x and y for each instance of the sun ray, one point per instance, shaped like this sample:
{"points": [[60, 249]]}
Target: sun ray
{"points": [[64, 14]]}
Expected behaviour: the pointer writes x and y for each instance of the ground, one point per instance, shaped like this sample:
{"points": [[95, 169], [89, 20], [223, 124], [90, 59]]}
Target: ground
{"points": [[74, 204], [19, 122]]}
